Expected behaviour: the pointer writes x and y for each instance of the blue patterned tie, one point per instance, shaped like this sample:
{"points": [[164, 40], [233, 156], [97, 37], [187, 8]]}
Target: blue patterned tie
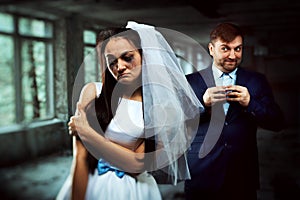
{"points": [[227, 80], [104, 167]]}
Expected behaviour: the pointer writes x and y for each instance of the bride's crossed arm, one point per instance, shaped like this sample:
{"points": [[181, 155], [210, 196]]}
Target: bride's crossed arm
{"points": [[100, 147]]}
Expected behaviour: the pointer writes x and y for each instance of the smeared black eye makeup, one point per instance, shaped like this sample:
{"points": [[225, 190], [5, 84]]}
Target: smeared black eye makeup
{"points": [[112, 61]]}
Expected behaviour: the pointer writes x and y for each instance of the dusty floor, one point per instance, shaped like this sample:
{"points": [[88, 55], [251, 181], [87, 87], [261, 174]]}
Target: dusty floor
{"points": [[42, 178]]}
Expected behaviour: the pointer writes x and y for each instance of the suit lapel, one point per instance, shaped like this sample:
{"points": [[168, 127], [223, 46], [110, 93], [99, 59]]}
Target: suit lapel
{"points": [[241, 77], [208, 77]]}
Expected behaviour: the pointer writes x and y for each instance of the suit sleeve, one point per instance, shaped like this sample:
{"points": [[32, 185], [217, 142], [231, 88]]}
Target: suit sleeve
{"points": [[262, 105]]}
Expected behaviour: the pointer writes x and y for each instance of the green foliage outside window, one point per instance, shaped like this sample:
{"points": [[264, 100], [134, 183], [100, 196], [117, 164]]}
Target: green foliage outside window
{"points": [[6, 23], [7, 105], [34, 80]]}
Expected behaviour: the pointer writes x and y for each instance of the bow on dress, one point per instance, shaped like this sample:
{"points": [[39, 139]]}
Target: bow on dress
{"points": [[104, 167]]}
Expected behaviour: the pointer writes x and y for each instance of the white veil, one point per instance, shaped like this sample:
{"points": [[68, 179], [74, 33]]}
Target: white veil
{"points": [[171, 108]]}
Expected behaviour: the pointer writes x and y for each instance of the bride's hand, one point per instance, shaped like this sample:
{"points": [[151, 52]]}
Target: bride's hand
{"points": [[80, 121], [72, 128]]}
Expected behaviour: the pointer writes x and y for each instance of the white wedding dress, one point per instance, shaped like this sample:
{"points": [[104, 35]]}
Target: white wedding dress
{"points": [[125, 128]]}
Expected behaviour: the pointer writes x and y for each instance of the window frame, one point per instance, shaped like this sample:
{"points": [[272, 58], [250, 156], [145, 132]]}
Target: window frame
{"points": [[91, 45], [18, 40]]}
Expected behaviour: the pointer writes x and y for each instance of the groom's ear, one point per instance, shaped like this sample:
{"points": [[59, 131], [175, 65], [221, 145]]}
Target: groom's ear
{"points": [[210, 48]]}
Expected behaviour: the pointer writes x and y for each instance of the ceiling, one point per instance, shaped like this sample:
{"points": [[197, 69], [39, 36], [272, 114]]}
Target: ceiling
{"points": [[190, 17]]}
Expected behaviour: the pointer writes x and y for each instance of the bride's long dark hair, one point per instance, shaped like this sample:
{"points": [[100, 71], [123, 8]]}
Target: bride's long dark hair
{"points": [[105, 105]]}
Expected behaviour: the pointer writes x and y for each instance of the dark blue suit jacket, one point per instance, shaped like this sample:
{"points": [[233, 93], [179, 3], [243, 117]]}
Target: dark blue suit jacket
{"points": [[234, 158]]}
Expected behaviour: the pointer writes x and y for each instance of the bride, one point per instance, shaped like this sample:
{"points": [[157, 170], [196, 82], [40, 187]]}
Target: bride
{"points": [[141, 118]]}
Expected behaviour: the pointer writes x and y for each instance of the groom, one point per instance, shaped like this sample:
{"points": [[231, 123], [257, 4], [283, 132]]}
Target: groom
{"points": [[223, 157]]}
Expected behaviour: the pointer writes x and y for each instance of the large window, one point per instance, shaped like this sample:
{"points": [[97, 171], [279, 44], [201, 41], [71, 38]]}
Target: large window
{"points": [[26, 69]]}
